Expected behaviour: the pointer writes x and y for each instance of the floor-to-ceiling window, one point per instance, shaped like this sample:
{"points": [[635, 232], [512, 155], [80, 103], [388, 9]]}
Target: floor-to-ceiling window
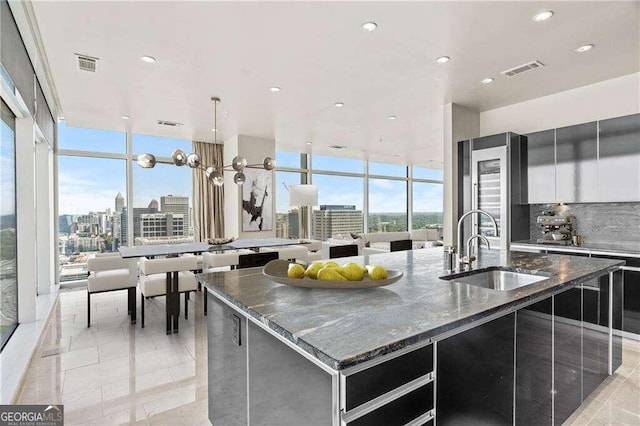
{"points": [[162, 196], [95, 211], [355, 194], [92, 197], [8, 239], [291, 170], [387, 197], [428, 199], [340, 210]]}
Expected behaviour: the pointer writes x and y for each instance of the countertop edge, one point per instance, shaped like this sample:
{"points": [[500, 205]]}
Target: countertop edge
{"points": [[573, 249]]}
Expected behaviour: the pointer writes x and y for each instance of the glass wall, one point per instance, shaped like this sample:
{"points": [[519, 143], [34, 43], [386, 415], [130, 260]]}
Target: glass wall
{"points": [[287, 218], [92, 194], [395, 198], [340, 209], [427, 206], [94, 214], [8, 266], [387, 205], [162, 196]]}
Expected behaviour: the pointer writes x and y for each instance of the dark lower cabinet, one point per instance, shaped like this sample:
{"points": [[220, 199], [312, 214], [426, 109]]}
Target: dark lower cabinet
{"points": [[631, 318], [475, 375], [534, 364], [567, 353]]}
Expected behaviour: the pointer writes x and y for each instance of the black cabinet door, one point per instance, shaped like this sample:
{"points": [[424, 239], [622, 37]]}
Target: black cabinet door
{"points": [[475, 375], [577, 163], [631, 310], [541, 167], [534, 334], [567, 338], [595, 337], [619, 159]]}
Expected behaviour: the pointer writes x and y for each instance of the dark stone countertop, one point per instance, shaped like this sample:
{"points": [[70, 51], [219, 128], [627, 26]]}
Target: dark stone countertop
{"points": [[620, 249], [342, 328]]}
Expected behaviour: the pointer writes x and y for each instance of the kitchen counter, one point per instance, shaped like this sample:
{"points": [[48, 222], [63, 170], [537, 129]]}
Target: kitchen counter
{"points": [[342, 328], [629, 249]]}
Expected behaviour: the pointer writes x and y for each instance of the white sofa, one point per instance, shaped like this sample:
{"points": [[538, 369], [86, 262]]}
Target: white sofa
{"points": [[379, 242]]}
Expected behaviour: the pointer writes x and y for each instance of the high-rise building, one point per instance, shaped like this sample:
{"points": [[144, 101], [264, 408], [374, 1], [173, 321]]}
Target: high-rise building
{"points": [[332, 220], [153, 204], [162, 225], [137, 214], [120, 202], [177, 204]]}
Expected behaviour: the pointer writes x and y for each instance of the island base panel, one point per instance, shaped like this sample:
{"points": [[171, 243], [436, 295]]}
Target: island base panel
{"points": [[254, 378], [475, 375], [227, 363]]}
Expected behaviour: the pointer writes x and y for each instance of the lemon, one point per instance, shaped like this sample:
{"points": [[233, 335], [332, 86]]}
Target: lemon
{"points": [[295, 270]]}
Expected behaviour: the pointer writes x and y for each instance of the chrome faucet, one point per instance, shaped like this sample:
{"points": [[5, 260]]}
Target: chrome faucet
{"points": [[469, 258], [463, 260]]}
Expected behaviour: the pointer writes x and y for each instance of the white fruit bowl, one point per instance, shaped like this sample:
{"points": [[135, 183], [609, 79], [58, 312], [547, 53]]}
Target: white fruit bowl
{"points": [[276, 270]]}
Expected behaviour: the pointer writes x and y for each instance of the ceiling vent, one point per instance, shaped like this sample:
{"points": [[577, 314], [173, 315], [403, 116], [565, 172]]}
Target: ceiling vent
{"points": [[87, 63], [169, 123], [523, 68], [337, 146]]}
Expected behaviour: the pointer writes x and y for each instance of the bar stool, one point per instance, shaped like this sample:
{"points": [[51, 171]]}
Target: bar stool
{"points": [[168, 277]]}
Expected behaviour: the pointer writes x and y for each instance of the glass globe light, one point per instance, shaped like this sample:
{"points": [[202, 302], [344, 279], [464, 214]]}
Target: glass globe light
{"points": [[209, 171], [179, 157], [217, 178], [239, 178], [193, 160], [268, 163], [146, 161], [238, 163]]}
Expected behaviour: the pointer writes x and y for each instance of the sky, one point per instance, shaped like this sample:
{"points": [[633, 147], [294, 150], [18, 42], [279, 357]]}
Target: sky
{"points": [[91, 184], [7, 170]]}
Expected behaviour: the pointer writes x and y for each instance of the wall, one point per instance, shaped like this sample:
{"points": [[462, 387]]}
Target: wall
{"points": [[606, 99], [460, 123], [254, 150], [617, 223]]}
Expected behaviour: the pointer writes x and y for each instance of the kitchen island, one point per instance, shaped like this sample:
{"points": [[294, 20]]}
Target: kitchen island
{"points": [[421, 349]]}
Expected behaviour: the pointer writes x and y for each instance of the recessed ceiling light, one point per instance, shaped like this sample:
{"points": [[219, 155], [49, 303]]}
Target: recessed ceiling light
{"points": [[61, 118], [214, 130], [338, 104], [274, 89], [148, 59], [584, 48], [443, 59], [542, 16], [487, 80], [226, 113], [392, 117], [369, 26], [308, 143], [126, 117]]}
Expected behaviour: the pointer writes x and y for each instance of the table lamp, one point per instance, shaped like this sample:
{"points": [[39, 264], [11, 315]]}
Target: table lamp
{"points": [[302, 196]]}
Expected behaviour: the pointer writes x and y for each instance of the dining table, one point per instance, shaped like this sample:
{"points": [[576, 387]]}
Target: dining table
{"points": [[173, 250]]}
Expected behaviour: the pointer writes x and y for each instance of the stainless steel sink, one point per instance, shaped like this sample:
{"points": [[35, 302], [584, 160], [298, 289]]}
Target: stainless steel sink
{"points": [[496, 278]]}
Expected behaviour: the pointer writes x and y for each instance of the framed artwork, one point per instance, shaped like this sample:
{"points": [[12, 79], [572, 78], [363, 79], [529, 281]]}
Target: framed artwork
{"points": [[257, 200]]}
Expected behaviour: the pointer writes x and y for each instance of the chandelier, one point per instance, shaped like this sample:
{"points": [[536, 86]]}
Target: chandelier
{"points": [[215, 174]]}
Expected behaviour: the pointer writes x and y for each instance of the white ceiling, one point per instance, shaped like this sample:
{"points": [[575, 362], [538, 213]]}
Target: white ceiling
{"points": [[318, 54]]}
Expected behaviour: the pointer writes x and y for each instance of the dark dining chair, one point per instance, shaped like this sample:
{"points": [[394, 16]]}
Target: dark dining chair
{"points": [[343, 251], [401, 245], [256, 259]]}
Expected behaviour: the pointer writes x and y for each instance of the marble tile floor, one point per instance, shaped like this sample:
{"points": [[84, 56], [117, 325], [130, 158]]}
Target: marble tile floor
{"points": [[617, 400], [115, 373]]}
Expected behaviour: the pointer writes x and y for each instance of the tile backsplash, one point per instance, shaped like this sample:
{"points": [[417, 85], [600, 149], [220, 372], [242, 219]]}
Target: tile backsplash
{"points": [[597, 222]]}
